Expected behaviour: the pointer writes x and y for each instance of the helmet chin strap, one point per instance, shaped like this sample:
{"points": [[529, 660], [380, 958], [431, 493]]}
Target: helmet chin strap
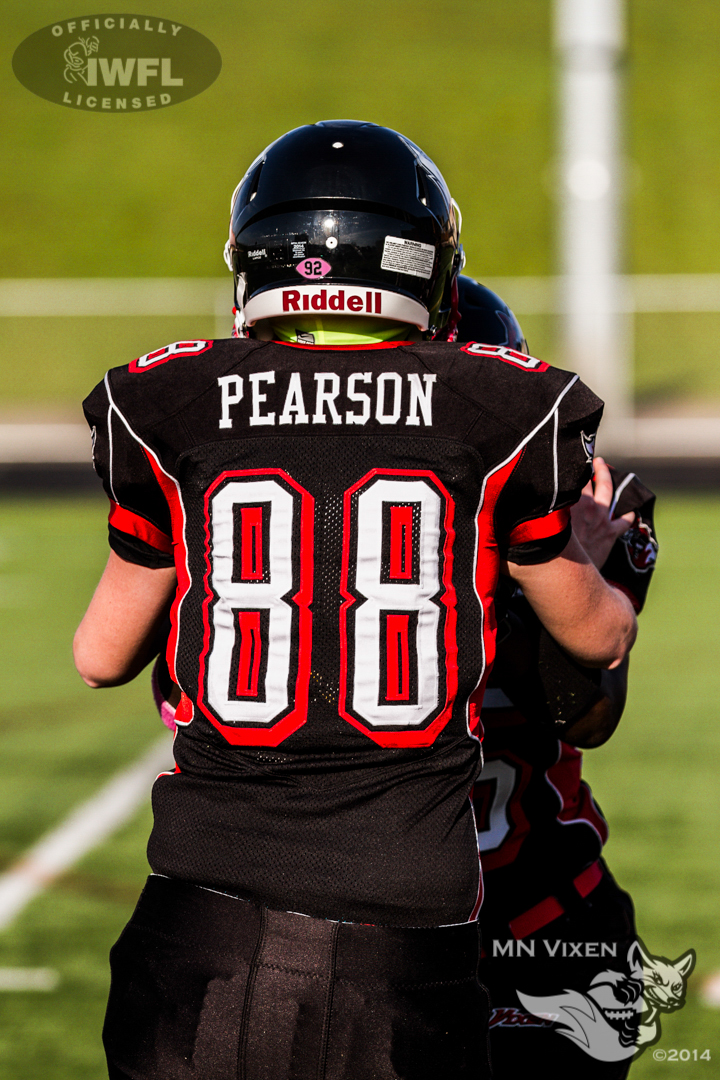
{"points": [[227, 256], [240, 328], [449, 331]]}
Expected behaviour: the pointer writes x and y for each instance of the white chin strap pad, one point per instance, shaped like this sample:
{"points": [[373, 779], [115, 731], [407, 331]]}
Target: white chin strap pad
{"points": [[325, 299]]}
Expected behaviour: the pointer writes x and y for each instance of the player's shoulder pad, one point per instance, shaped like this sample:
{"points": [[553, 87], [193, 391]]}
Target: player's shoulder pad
{"points": [[517, 388], [164, 380], [508, 356]]}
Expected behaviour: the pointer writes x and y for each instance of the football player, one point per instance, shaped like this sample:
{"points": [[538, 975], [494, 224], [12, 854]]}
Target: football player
{"points": [[540, 831], [531, 788], [326, 518]]}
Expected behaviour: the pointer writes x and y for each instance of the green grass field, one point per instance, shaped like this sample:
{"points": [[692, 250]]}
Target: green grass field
{"points": [[656, 780]]}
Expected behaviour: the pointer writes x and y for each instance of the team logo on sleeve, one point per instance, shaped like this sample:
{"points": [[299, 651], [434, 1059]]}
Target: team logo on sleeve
{"points": [[588, 442], [509, 356], [169, 352], [640, 546]]}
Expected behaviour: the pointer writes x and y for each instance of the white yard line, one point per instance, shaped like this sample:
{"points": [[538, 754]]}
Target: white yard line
{"points": [[39, 297], [86, 827], [42, 443], [22, 979]]}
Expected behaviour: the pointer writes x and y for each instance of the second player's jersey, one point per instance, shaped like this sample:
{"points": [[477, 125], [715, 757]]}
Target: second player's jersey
{"points": [[337, 518], [538, 823]]}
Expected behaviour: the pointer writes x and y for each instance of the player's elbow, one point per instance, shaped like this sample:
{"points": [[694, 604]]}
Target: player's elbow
{"points": [[95, 669], [626, 632], [95, 684], [92, 677], [615, 634]]}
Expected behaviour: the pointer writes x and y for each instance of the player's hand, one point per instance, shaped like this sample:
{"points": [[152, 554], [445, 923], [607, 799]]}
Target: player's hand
{"points": [[592, 524]]}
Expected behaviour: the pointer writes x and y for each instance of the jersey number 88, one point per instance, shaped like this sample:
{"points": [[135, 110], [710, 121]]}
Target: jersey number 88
{"points": [[398, 653]]}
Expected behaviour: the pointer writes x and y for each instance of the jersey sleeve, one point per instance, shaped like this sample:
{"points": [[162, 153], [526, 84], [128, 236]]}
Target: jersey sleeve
{"points": [[532, 515], [631, 561], [139, 525]]}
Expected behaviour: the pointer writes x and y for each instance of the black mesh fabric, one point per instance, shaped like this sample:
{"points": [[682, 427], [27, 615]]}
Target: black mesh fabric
{"points": [[539, 851]]}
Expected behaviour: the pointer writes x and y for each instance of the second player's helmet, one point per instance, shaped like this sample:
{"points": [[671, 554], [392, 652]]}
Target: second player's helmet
{"points": [[345, 217], [486, 318]]}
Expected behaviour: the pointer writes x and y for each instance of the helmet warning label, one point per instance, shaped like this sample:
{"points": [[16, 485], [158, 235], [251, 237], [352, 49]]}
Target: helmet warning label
{"points": [[408, 257]]}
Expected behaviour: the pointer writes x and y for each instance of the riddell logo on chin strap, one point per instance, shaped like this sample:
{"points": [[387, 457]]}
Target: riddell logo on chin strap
{"points": [[368, 302]]}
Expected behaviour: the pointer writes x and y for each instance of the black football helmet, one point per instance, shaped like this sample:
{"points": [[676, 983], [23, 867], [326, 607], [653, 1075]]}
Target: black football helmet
{"points": [[345, 217], [484, 317]]}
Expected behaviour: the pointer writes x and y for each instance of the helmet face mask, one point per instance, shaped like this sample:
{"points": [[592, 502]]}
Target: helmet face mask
{"points": [[344, 217]]}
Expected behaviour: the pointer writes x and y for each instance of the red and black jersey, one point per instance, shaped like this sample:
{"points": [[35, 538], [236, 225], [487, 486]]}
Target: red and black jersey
{"points": [[538, 824], [337, 518]]}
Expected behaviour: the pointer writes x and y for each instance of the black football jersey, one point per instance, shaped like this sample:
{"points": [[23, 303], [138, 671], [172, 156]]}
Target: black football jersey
{"points": [[337, 518], [538, 823]]}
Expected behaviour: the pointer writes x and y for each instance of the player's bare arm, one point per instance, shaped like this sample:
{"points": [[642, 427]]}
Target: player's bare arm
{"points": [[593, 523], [597, 531], [595, 622], [118, 635]]}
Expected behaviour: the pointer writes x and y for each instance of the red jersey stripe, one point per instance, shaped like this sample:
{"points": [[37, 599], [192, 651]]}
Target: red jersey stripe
{"points": [[540, 528], [128, 521]]}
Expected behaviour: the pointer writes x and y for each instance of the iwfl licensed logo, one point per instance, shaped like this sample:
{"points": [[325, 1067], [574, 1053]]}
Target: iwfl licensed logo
{"points": [[618, 1016], [116, 63]]}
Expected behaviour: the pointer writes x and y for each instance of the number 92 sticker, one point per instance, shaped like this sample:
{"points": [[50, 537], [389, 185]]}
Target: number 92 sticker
{"points": [[313, 268]]}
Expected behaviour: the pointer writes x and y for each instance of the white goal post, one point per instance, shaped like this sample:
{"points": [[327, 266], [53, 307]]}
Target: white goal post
{"points": [[596, 330]]}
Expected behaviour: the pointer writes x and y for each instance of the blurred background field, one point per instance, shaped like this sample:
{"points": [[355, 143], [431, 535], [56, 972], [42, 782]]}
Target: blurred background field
{"points": [[147, 195], [677, 357]]}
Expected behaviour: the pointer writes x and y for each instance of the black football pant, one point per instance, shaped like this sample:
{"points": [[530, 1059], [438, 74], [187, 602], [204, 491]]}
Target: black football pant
{"points": [[209, 987], [519, 1042]]}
